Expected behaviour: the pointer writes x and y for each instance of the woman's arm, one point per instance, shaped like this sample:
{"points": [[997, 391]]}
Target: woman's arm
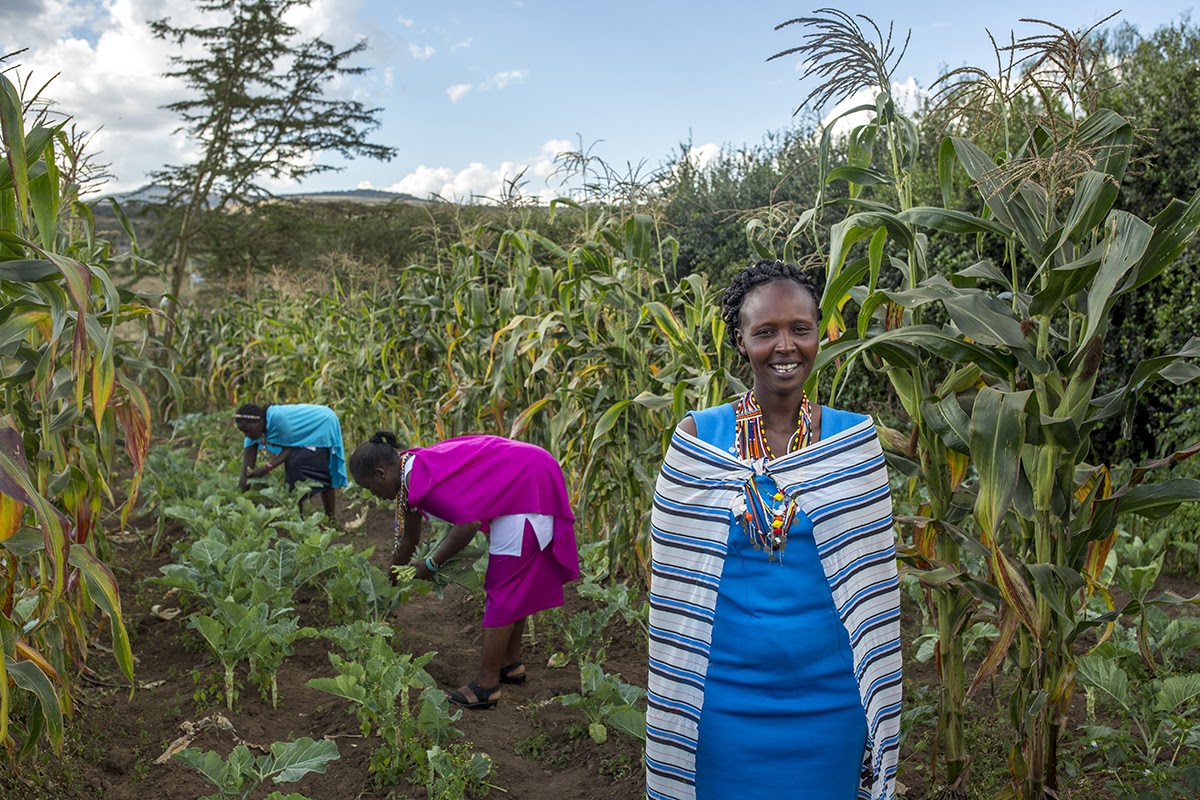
{"points": [[459, 537], [249, 457], [259, 472]]}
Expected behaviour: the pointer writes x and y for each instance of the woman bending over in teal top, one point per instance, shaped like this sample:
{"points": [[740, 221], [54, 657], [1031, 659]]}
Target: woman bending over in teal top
{"points": [[306, 439]]}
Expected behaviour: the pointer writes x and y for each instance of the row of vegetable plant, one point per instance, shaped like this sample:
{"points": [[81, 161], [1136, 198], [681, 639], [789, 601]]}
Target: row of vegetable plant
{"points": [[237, 569], [242, 558], [585, 348]]}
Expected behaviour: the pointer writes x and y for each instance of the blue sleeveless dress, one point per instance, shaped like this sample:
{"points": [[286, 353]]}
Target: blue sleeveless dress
{"points": [[782, 717]]}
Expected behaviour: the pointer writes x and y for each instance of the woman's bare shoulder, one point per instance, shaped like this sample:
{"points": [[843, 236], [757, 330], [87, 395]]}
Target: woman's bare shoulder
{"points": [[688, 425]]}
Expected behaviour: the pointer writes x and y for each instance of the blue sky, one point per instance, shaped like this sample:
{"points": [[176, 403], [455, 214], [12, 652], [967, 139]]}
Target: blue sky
{"points": [[474, 91]]}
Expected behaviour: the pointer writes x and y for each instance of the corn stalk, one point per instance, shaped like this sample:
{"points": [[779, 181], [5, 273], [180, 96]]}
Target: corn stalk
{"points": [[582, 347], [1007, 384], [67, 374]]}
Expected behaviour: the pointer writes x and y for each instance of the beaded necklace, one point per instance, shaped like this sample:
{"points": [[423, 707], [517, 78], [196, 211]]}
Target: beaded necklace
{"points": [[766, 521], [401, 503]]}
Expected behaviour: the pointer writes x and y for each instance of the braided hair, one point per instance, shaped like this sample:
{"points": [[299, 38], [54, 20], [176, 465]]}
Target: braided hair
{"points": [[378, 451], [249, 412], [761, 272]]}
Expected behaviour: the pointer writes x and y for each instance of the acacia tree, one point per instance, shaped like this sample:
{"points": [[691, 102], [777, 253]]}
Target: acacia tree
{"points": [[258, 111]]}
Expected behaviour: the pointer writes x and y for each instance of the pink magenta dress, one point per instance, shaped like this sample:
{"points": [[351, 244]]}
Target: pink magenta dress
{"points": [[481, 478]]}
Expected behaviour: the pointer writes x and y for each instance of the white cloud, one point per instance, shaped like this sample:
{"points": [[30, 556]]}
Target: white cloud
{"points": [[498, 81], [502, 79], [463, 45], [111, 69], [334, 20], [479, 182], [421, 52], [408, 23], [907, 95], [365, 185], [701, 155], [544, 164]]}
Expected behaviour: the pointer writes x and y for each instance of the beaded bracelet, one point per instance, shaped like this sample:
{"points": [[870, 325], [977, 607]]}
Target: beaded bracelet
{"points": [[431, 564]]}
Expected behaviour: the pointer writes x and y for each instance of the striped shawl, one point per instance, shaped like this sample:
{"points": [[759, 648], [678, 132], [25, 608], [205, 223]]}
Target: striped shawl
{"points": [[841, 483]]}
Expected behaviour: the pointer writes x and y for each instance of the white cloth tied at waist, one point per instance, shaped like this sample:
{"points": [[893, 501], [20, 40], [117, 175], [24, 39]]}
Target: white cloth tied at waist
{"points": [[507, 533]]}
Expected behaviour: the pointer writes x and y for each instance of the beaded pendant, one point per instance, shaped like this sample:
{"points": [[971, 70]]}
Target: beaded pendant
{"points": [[766, 520]]}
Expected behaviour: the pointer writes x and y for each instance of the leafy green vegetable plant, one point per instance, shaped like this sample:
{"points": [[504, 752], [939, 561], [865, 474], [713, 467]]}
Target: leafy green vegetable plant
{"points": [[357, 589], [435, 720], [618, 599], [1163, 750], [258, 634], [456, 773], [238, 777], [376, 680], [607, 702], [582, 635]]}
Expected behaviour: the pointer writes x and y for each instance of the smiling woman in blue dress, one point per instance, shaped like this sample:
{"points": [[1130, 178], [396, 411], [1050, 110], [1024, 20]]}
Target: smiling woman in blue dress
{"points": [[774, 604]]}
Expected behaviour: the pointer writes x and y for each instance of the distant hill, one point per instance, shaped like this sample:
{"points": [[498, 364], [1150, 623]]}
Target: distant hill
{"points": [[371, 196], [155, 194]]}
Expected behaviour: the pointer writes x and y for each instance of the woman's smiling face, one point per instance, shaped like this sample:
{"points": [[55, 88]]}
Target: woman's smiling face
{"points": [[779, 333]]}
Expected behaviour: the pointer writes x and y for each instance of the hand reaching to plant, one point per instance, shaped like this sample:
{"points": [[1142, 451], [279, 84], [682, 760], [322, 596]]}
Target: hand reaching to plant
{"points": [[264, 470], [401, 573]]}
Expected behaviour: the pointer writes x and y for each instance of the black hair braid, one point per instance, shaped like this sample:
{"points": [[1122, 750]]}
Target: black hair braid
{"points": [[378, 451], [761, 272], [385, 437]]}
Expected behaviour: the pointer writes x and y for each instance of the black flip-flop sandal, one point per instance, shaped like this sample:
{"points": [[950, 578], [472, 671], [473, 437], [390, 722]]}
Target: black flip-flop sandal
{"points": [[506, 675], [484, 698]]}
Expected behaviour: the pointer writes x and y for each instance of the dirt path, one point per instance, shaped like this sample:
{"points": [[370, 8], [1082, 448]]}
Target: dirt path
{"points": [[534, 742]]}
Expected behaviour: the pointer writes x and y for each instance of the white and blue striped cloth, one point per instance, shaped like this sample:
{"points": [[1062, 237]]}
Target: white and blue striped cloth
{"points": [[841, 483]]}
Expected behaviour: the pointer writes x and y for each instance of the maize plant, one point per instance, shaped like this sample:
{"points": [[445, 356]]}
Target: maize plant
{"points": [[584, 348], [71, 396], [1001, 393]]}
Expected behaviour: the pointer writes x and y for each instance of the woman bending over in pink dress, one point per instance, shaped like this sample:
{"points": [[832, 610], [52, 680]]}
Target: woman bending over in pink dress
{"points": [[514, 492]]}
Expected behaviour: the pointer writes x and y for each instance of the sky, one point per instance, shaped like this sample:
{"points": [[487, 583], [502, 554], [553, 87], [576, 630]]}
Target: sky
{"points": [[475, 92]]}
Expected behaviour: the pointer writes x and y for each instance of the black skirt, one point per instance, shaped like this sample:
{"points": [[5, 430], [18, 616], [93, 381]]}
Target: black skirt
{"points": [[303, 464]]}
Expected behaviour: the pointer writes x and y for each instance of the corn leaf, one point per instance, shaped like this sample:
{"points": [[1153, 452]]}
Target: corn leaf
{"points": [[102, 587]]}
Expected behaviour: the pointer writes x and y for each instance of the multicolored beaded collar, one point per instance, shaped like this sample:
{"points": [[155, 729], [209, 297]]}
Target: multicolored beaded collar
{"points": [[766, 520]]}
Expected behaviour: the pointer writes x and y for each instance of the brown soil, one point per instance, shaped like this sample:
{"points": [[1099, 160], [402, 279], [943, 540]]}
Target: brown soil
{"points": [[538, 746]]}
